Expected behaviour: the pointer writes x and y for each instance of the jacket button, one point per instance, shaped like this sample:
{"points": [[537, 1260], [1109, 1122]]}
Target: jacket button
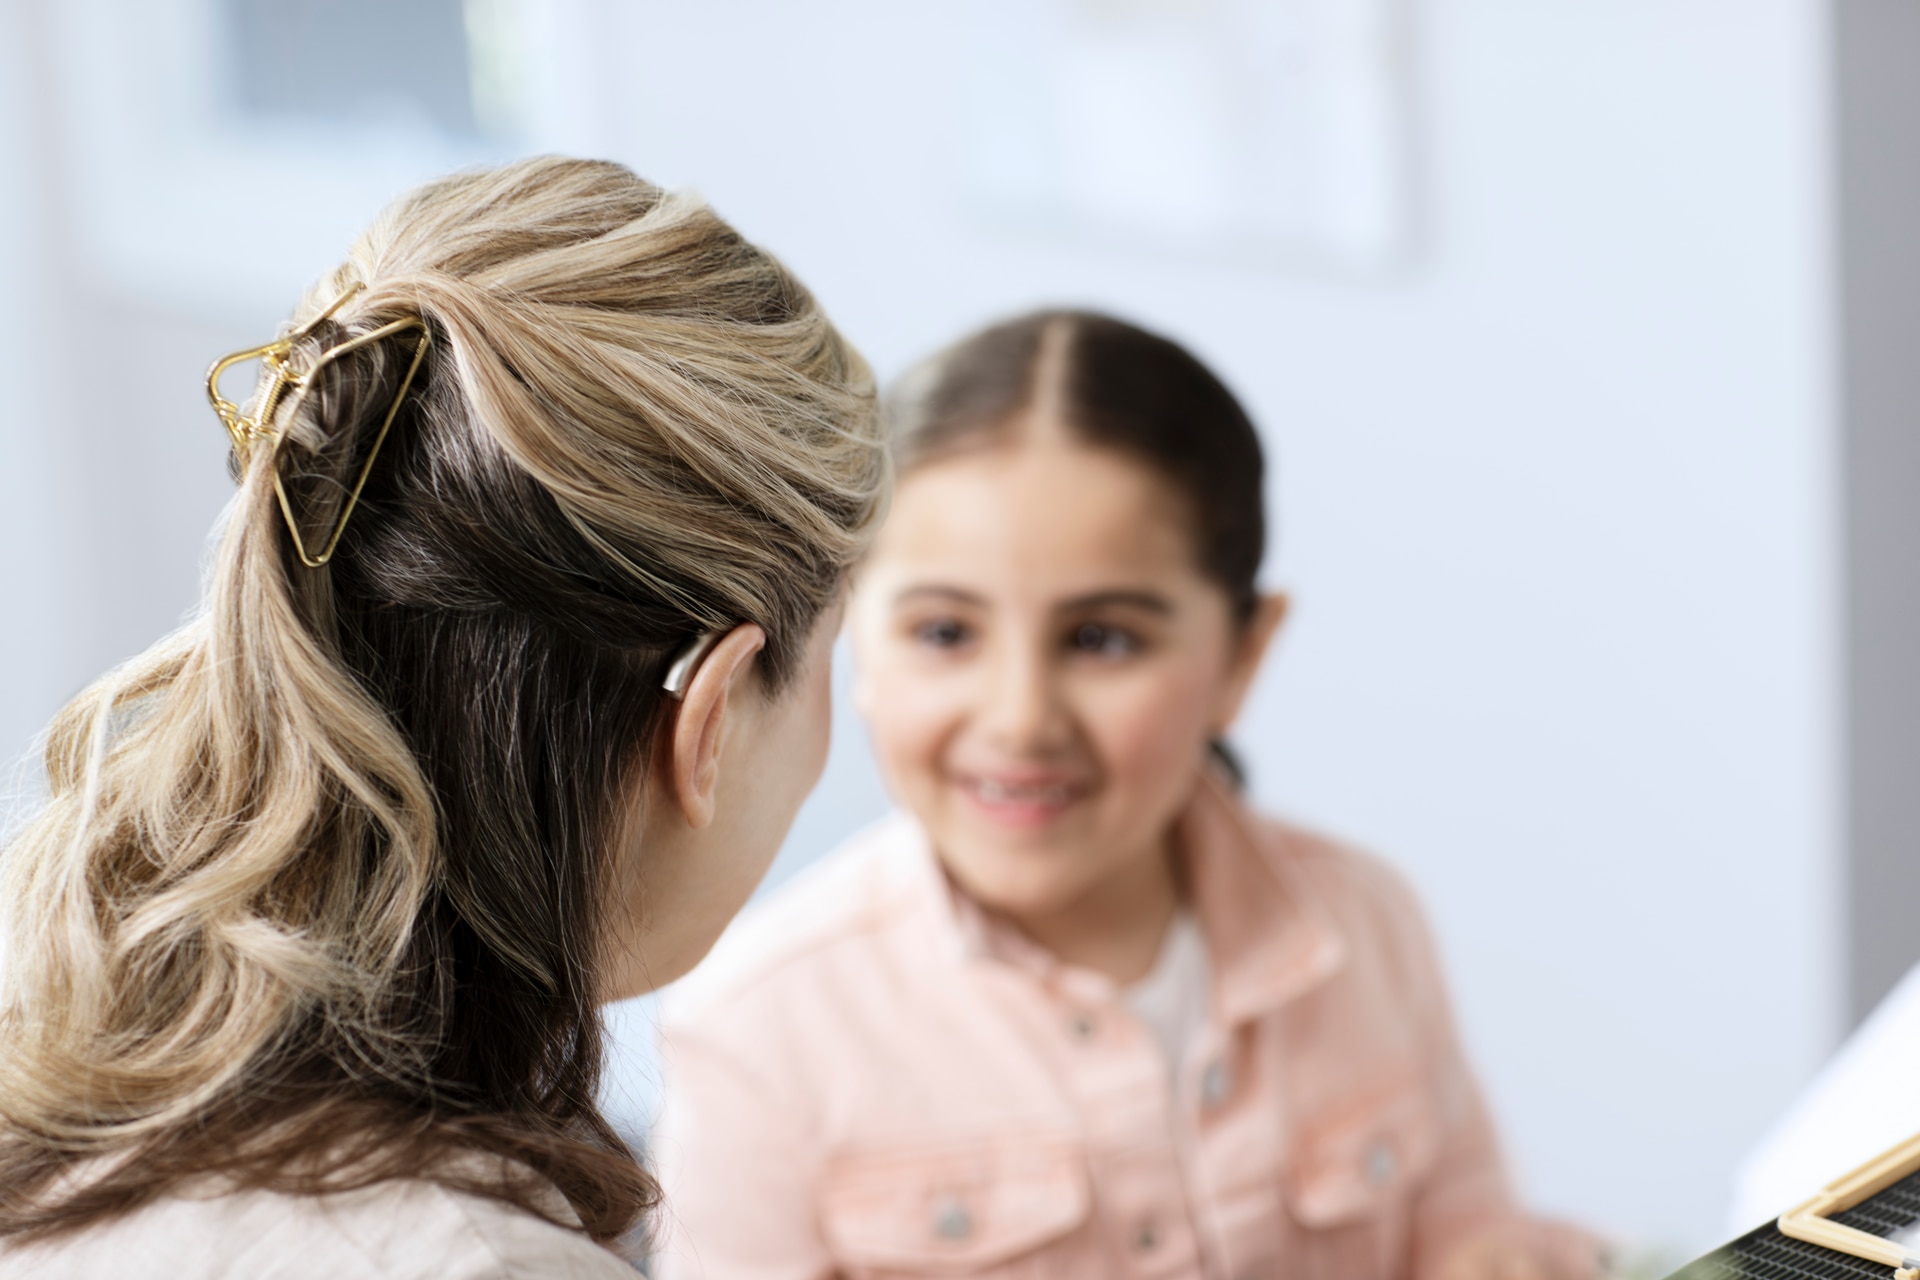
{"points": [[951, 1221], [1381, 1166], [1216, 1082]]}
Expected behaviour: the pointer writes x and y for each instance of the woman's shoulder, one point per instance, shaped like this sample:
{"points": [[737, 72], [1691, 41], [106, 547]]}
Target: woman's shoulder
{"points": [[390, 1231]]}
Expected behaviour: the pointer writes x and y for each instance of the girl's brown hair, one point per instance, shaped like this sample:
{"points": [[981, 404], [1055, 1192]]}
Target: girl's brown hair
{"points": [[1113, 385], [317, 899]]}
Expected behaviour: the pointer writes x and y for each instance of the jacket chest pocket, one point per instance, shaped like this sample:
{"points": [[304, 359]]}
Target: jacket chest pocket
{"points": [[988, 1206], [1353, 1176]]}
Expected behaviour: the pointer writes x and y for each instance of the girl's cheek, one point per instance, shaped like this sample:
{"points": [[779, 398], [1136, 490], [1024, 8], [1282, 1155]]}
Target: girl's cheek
{"points": [[910, 716], [1150, 727]]}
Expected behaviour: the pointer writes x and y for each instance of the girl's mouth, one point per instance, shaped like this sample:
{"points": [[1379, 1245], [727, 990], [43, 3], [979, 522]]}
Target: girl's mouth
{"points": [[1022, 802]]}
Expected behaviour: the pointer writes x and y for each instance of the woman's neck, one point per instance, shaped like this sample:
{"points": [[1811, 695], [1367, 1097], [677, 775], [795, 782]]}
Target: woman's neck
{"points": [[1116, 929]]}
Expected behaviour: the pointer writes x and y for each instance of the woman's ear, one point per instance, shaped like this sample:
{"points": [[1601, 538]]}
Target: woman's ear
{"points": [[701, 721], [1250, 650]]}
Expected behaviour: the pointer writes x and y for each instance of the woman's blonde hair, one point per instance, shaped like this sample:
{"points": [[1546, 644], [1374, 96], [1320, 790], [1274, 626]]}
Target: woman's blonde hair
{"points": [[317, 897]]}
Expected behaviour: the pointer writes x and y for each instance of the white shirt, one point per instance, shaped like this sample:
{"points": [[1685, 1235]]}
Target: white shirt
{"points": [[405, 1230], [1172, 999], [1865, 1100]]}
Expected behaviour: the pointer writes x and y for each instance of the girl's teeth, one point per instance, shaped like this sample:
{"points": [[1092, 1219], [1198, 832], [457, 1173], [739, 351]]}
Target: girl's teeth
{"points": [[999, 793]]}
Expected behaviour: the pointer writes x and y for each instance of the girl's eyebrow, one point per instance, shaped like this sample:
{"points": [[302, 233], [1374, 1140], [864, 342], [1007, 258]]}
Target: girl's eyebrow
{"points": [[1121, 597], [938, 592], [1149, 601]]}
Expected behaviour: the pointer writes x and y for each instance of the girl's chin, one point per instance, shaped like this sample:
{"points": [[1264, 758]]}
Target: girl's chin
{"points": [[1015, 896], [1017, 878]]}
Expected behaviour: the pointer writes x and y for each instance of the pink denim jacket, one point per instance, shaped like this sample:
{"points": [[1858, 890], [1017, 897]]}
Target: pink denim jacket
{"points": [[869, 1078]]}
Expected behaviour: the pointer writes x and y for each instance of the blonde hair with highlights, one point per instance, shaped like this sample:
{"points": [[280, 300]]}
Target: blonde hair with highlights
{"points": [[317, 897]]}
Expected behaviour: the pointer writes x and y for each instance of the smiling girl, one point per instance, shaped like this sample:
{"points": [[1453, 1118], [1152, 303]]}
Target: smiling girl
{"points": [[1078, 1011]]}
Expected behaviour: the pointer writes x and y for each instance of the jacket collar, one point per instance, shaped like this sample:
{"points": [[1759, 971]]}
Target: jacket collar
{"points": [[1268, 939]]}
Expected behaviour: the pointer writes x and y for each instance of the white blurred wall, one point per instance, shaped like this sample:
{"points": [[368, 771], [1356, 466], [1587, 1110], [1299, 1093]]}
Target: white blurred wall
{"points": [[1554, 496], [29, 552]]}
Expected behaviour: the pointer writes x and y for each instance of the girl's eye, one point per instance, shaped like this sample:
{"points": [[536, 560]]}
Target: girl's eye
{"points": [[1107, 642], [942, 633]]}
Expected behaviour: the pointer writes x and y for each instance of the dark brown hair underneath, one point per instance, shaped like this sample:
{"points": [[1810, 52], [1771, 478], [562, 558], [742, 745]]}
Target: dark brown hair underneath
{"points": [[1113, 385]]}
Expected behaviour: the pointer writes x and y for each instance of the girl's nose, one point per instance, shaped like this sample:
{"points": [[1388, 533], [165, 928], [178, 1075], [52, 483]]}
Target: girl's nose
{"points": [[1023, 712]]}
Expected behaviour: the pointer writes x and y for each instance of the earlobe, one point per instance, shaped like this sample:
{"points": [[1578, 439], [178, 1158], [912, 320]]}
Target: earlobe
{"points": [[702, 718]]}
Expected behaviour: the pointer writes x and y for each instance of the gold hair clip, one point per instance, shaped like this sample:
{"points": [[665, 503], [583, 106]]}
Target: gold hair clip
{"points": [[280, 379]]}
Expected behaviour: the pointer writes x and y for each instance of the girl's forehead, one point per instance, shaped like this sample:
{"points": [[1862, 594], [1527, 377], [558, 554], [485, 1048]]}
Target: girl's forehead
{"points": [[1037, 511]]}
